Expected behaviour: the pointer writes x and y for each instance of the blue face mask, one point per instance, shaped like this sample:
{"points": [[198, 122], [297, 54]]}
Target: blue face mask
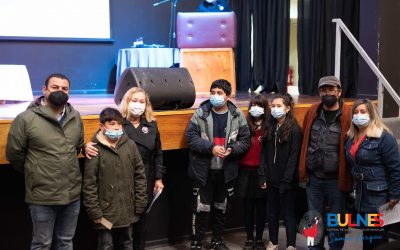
{"points": [[277, 112], [361, 120], [217, 100], [114, 134], [256, 111]]}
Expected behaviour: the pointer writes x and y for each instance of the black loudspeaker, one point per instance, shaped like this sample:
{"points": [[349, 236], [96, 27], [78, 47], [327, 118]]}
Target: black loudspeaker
{"points": [[168, 88]]}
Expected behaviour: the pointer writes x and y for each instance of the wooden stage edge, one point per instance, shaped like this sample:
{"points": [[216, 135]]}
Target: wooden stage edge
{"points": [[172, 124]]}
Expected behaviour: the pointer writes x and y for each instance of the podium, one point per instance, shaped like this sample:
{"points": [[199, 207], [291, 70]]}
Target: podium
{"points": [[206, 41], [207, 65]]}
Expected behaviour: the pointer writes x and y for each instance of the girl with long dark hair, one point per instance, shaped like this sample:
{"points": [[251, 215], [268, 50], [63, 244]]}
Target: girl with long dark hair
{"points": [[280, 158], [254, 197]]}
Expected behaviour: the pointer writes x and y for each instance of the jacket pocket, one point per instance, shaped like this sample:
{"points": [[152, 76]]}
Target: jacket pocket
{"points": [[377, 186], [132, 199], [374, 196], [334, 136], [30, 175], [369, 152], [313, 159], [331, 162], [44, 186], [199, 166], [104, 205]]}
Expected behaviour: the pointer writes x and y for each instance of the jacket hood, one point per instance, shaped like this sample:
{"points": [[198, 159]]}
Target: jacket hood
{"points": [[44, 110]]}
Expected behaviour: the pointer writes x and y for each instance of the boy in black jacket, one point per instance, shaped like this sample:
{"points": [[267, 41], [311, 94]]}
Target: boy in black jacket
{"points": [[217, 136]]}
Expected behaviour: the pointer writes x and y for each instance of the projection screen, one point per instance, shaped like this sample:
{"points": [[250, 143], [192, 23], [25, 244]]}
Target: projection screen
{"points": [[57, 19]]}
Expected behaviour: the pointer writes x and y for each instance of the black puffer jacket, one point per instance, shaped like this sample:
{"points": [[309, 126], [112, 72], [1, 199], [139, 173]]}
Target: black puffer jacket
{"points": [[200, 140]]}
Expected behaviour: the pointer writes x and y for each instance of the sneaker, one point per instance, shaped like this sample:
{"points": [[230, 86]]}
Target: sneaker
{"points": [[218, 245], [271, 246], [290, 248], [195, 245], [248, 245], [260, 245]]}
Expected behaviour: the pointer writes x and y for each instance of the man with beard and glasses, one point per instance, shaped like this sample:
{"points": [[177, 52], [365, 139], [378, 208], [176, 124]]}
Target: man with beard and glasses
{"points": [[322, 160], [43, 143]]}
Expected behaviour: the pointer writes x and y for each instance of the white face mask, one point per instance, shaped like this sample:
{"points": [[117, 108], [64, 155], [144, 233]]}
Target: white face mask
{"points": [[277, 112], [136, 108], [361, 120], [256, 111]]}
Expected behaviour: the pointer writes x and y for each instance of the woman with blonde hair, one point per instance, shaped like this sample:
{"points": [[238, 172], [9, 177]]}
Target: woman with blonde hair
{"points": [[140, 126], [372, 152], [131, 101]]}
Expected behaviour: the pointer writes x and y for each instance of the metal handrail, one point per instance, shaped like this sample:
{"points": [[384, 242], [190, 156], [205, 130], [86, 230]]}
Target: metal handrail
{"points": [[340, 26]]}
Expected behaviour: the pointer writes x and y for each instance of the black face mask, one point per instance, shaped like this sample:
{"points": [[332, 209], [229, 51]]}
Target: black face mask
{"points": [[329, 100], [57, 98]]}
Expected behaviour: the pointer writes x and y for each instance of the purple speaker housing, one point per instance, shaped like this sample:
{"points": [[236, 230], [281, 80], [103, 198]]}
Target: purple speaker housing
{"points": [[206, 30]]}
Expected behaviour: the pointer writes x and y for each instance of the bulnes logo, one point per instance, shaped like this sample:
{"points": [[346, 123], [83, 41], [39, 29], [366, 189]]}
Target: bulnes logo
{"points": [[344, 220]]}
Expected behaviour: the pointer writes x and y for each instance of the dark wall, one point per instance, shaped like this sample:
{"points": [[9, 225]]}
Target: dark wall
{"points": [[90, 65], [389, 52], [368, 38]]}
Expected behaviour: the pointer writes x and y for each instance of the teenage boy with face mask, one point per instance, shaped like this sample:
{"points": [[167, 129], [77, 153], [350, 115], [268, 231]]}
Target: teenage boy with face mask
{"points": [[118, 165], [43, 143], [322, 160], [218, 135]]}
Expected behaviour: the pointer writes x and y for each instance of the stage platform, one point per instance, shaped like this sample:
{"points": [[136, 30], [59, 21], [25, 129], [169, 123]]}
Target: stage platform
{"points": [[172, 124]]}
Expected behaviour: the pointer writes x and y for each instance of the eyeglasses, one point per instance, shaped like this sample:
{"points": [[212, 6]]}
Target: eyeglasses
{"points": [[327, 90]]}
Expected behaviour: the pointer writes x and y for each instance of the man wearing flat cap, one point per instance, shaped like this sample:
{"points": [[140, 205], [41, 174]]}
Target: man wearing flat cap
{"points": [[322, 161]]}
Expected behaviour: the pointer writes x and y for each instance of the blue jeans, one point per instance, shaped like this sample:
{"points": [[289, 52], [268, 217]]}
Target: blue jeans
{"points": [[59, 220], [322, 192]]}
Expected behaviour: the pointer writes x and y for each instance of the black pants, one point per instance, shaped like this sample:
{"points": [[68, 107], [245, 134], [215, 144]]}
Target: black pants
{"points": [[213, 197], [139, 233], [281, 203], [257, 206], [114, 239]]}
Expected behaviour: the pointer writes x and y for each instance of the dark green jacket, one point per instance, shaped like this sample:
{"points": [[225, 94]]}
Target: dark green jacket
{"points": [[46, 151], [114, 183]]}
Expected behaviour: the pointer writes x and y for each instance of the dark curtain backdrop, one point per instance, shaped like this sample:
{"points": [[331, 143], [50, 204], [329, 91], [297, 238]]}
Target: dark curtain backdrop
{"points": [[316, 43], [271, 23], [242, 9]]}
